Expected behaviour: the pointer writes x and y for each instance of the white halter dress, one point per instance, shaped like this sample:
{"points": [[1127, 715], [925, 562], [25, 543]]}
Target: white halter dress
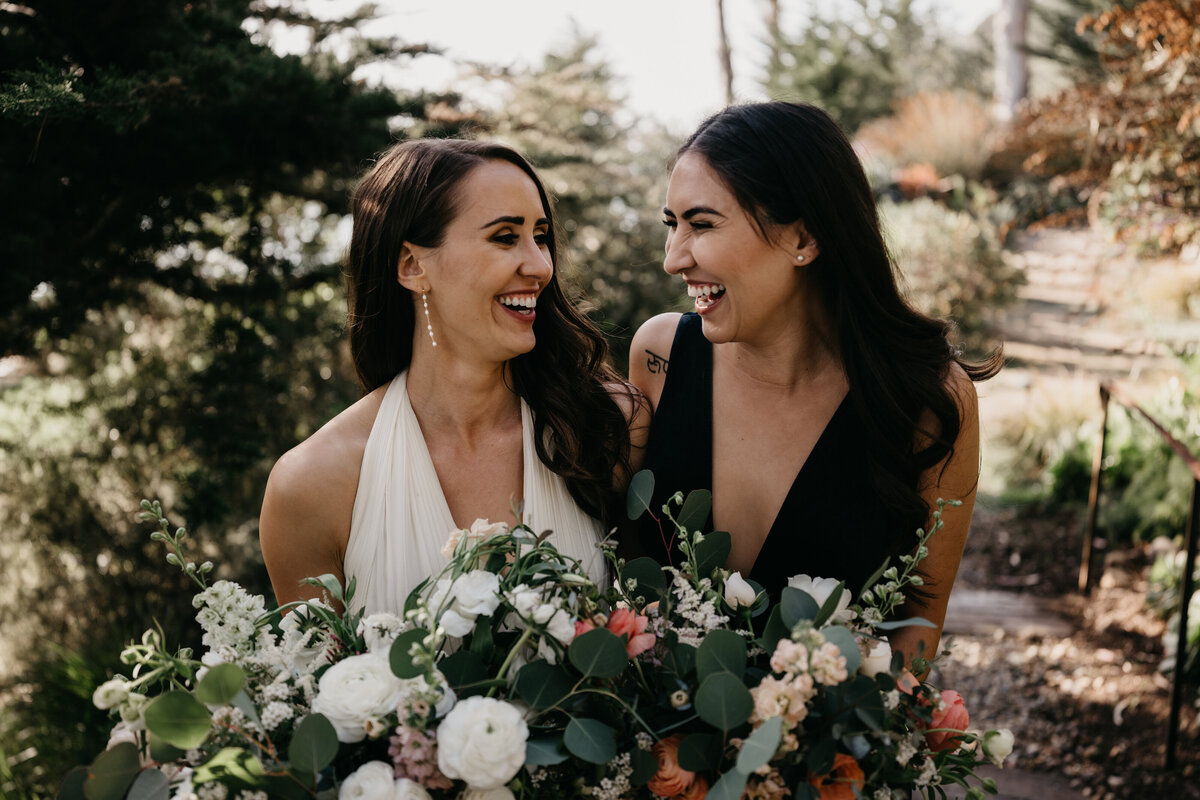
{"points": [[401, 519]]}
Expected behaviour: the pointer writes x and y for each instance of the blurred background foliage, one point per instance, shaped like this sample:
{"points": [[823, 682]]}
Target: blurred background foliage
{"points": [[171, 307]]}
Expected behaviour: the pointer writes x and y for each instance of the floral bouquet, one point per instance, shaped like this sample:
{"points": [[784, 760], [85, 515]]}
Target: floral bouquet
{"points": [[510, 673]]}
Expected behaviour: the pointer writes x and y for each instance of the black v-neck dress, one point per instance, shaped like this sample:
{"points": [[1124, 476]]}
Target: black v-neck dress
{"points": [[830, 524]]}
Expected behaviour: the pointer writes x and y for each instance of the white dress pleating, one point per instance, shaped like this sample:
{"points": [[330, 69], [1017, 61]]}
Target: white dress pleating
{"points": [[401, 519]]}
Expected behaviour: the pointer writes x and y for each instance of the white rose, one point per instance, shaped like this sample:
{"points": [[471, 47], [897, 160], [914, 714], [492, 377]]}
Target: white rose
{"points": [[476, 593], [110, 693], [561, 626], [738, 592], [405, 789], [356, 689], [820, 589], [998, 745], [482, 742], [878, 658], [374, 780], [380, 630], [498, 793]]}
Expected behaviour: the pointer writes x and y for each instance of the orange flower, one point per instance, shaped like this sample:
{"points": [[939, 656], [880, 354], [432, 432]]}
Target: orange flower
{"points": [[671, 779], [952, 715], [842, 782], [624, 622]]}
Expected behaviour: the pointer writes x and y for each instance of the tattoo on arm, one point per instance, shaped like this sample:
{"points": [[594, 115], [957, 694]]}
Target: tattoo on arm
{"points": [[656, 364]]}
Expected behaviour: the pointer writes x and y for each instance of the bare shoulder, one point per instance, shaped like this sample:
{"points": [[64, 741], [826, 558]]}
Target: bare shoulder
{"points": [[309, 499], [650, 354], [636, 408], [960, 386]]}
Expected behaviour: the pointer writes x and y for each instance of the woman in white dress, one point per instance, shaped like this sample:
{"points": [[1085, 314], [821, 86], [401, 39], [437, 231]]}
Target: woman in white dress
{"points": [[487, 391]]}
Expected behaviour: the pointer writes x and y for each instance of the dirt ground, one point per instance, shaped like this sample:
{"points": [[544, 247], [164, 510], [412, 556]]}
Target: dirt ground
{"points": [[1091, 706]]}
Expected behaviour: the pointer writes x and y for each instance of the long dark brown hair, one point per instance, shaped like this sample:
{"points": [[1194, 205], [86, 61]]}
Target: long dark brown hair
{"points": [[789, 162], [411, 195]]}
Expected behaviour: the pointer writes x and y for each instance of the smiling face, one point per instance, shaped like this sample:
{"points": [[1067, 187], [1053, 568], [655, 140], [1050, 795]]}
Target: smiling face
{"points": [[484, 279], [741, 282]]}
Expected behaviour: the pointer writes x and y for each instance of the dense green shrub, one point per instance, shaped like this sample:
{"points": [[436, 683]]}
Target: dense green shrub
{"points": [[951, 266]]}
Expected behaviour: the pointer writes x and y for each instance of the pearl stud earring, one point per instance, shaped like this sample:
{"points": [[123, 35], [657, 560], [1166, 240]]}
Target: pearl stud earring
{"points": [[428, 323]]}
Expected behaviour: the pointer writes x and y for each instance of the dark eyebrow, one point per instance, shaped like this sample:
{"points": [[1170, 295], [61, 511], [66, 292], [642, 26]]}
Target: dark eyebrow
{"points": [[515, 221], [691, 212]]}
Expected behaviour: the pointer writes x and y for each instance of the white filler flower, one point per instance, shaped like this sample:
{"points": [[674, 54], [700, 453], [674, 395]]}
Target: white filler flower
{"points": [[482, 741], [356, 689]]}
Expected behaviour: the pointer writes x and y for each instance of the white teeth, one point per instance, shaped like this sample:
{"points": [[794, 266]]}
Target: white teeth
{"points": [[518, 300], [704, 289]]}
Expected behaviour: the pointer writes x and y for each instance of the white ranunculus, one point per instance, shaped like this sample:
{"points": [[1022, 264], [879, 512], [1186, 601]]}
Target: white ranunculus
{"points": [[111, 693], [405, 789], [380, 630], [464, 599], [820, 589], [998, 745], [375, 780], [878, 658], [482, 741], [498, 793], [738, 592], [561, 626], [356, 689]]}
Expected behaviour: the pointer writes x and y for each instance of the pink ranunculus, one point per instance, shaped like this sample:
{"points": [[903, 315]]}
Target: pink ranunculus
{"points": [[952, 715], [624, 622], [583, 626]]}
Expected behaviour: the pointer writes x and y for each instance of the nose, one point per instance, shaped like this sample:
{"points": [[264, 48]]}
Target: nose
{"points": [[679, 254], [535, 263]]}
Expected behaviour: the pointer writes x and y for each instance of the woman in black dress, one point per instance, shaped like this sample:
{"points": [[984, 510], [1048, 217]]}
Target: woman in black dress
{"points": [[824, 413]]}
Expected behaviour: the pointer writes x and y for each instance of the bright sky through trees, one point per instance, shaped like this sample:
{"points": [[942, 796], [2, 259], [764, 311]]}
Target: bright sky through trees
{"points": [[664, 50]]}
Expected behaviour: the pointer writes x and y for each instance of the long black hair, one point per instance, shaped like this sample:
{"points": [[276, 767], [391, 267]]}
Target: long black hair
{"points": [[411, 195], [789, 162]]}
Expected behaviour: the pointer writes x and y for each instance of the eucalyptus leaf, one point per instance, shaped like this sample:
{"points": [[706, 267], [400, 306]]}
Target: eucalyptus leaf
{"points": [[644, 765], [545, 752], [699, 752], [729, 786], [712, 553], [150, 784], [723, 701], [179, 719], [640, 494], [598, 653], [112, 773], [648, 573], [820, 755], [233, 763], [891, 625], [591, 740], [845, 642], [542, 685], [721, 651], [760, 745], [72, 785], [774, 630], [694, 514], [314, 744], [220, 684], [160, 750], [681, 659], [462, 669], [796, 605], [398, 656], [243, 703]]}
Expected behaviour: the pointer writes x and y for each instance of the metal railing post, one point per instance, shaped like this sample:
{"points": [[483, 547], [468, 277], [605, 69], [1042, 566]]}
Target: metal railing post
{"points": [[1089, 531], [1186, 588]]}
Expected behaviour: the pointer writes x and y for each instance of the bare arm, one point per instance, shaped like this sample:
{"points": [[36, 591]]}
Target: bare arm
{"points": [[650, 355], [958, 481]]}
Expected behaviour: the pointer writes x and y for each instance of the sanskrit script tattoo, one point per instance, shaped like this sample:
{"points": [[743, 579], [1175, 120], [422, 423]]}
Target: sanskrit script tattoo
{"points": [[656, 363]]}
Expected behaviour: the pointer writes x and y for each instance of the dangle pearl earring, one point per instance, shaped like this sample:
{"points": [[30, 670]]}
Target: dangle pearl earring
{"points": [[428, 323]]}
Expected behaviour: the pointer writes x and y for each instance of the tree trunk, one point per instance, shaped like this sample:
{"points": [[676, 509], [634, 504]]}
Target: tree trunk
{"points": [[723, 54], [1012, 71]]}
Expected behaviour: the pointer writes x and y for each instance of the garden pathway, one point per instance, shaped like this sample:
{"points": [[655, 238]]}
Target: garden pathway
{"points": [[1088, 311]]}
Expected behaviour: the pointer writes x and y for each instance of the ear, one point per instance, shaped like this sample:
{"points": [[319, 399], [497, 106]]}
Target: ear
{"points": [[410, 272], [806, 247]]}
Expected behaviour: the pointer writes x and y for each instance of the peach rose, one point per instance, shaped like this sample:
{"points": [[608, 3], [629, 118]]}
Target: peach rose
{"points": [[953, 717], [671, 779], [843, 782]]}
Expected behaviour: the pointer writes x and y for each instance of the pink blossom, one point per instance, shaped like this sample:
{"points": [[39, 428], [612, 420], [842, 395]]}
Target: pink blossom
{"points": [[414, 755], [623, 622], [950, 714]]}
